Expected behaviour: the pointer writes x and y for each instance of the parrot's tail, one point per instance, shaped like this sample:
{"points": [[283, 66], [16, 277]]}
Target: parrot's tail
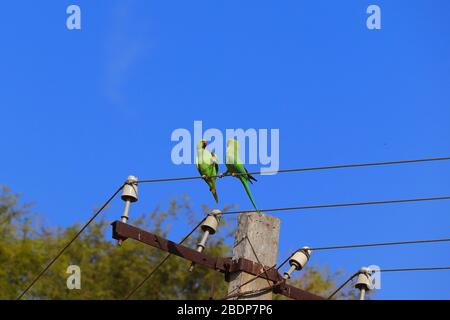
{"points": [[247, 189], [249, 177], [214, 193]]}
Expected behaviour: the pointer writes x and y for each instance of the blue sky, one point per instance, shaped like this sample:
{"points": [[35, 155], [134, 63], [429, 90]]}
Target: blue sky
{"points": [[81, 110]]}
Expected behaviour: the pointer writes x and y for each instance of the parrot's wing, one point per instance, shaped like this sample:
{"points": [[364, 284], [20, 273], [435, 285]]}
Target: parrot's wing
{"points": [[200, 162], [215, 161], [233, 159]]}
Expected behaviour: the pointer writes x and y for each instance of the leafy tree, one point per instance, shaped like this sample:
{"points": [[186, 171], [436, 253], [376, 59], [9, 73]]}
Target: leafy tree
{"points": [[109, 271]]}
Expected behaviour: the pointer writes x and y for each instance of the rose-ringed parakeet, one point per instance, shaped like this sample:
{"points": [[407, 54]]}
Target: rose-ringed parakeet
{"points": [[235, 166], [207, 166]]}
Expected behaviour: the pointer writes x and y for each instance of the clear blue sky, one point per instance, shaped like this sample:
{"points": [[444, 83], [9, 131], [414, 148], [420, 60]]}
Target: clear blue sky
{"points": [[81, 110]]}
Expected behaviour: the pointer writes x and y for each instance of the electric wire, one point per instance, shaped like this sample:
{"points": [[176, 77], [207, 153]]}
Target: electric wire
{"points": [[343, 166], [231, 294], [70, 242], [140, 284], [337, 205], [252, 292], [239, 294], [343, 285], [265, 210], [381, 244], [385, 271], [257, 258], [414, 269]]}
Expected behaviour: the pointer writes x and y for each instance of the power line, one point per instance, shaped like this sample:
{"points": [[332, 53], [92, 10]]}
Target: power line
{"points": [[343, 166], [252, 292], [414, 269], [343, 285], [336, 205], [249, 211], [387, 270], [359, 246], [148, 276], [231, 294], [379, 244], [70, 242], [162, 262], [257, 258]]}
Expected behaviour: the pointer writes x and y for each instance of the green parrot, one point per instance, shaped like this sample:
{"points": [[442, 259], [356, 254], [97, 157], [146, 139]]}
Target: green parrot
{"points": [[207, 166], [235, 166]]}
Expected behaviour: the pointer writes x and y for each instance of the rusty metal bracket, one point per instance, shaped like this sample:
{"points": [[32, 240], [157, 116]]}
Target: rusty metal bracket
{"points": [[295, 293], [123, 231], [255, 269]]}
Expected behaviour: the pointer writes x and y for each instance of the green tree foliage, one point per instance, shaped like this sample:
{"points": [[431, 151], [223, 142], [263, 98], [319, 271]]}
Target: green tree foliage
{"points": [[107, 270]]}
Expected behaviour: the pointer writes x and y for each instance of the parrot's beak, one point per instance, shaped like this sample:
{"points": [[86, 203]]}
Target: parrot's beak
{"points": [[204, 144]]}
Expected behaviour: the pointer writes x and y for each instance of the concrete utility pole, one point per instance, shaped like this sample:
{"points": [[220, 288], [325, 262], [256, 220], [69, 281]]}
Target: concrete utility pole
{"points": [[257, 240]]}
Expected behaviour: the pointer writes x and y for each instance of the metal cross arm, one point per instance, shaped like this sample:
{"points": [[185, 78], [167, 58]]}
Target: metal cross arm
{"points": [[123, 231], [295, 293]]}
